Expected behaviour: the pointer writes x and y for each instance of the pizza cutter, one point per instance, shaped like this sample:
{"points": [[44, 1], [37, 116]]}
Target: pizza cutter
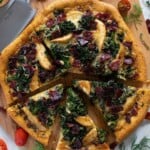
{"points": [[13, 19]]}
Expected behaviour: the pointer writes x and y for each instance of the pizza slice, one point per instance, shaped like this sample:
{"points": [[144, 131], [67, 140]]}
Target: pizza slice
{"points": [[38, 114], [123, 107], [78, 131]]}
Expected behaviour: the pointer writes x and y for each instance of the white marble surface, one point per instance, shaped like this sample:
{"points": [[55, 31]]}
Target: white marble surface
{"points": [[145, 9], [141, 131]]}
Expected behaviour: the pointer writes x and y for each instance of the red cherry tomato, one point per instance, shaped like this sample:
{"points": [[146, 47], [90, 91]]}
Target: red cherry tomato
{"points": [[124, 6], [3, 145], [21, 137]]}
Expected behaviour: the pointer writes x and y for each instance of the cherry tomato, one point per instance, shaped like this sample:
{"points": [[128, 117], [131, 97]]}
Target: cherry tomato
{"points": [[124, 6], [21, 137], [3, 145]]}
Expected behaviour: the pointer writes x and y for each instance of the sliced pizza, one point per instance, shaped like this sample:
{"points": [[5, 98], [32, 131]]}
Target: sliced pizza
{"points": [[123, 107], [37, 115], [78, 131]]}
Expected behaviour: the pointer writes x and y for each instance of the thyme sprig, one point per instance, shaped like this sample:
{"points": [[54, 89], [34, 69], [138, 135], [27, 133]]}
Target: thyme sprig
{"points": [[144, 144], [148, 3], [38, 146], [134, 15]]}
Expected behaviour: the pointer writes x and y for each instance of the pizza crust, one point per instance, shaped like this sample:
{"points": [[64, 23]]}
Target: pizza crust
{"points": [[41, 135], [127, 128]]}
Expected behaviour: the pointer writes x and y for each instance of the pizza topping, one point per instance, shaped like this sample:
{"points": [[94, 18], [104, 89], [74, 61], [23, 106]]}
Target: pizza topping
{"points": [[72, 131], [44, 107], [42, 57], [128, 61], [20, 79], [111, 25], [101, 133], [131, 113], [104, 57], [87, 21], [114, 66], [21, 137], [111, 120], [50, 23], [128, 45], [74, 104], [74, 16], [103, 17], [110, 44]]}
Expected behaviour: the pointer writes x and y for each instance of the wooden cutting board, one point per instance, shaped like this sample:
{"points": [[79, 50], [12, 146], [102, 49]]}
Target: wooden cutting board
{"points": [[9, 126]]}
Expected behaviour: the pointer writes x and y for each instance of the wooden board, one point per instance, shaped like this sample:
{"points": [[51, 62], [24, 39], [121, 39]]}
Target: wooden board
{"points": [[39, 5]]}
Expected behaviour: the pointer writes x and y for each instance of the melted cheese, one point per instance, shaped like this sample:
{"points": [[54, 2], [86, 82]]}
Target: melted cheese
{"points": [[34, 119], [42, 58], [74, 16]]}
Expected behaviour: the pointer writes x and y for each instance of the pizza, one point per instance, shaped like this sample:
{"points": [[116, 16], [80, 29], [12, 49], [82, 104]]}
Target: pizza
{"points": [[78, 130], [122, 106], [74, 56], [38, 113]]}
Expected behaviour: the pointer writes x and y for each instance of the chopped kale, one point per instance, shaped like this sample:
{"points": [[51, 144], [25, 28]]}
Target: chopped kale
{"points": [[101, 135], [111, 120], [22, 77], [120, 37], [41, 110], [67, 27], [72, 131], [110, 44], [75, 104], [86, 22], [84, 54], [60, 54]]}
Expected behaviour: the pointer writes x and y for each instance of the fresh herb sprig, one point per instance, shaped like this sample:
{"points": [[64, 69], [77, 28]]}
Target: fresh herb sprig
{"points": [[148, 3], [38, 146], [135, 14]]}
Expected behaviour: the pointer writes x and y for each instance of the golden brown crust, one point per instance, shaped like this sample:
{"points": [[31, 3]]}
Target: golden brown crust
{"points": [[143, 101], [41, 136]]}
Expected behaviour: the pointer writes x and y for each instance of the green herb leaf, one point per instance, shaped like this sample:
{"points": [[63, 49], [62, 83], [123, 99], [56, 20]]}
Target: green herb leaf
{"points": [[66, 27], [148, 3], [101, 135], [38, 146], [134, 16], [75, 104]]}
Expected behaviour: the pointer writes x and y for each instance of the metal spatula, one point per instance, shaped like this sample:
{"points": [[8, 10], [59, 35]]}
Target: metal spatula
{"points": [[13, 20]]}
